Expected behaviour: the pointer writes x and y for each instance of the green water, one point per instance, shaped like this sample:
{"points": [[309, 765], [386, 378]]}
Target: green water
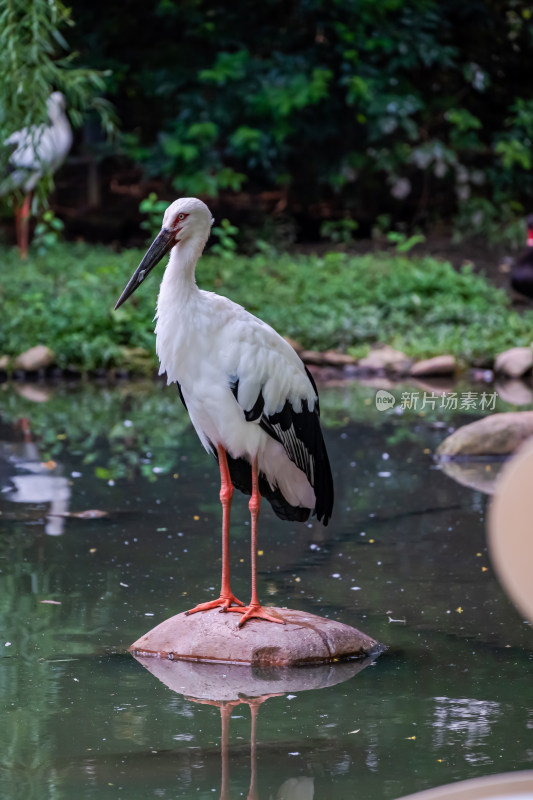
{"points": [[404, 560]]}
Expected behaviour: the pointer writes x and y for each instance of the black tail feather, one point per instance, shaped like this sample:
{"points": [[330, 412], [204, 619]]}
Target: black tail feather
{"points": [[241, 477]]}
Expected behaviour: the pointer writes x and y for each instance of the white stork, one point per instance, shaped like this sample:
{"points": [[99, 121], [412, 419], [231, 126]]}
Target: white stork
{"points": [[37, 150], [251, 400]]}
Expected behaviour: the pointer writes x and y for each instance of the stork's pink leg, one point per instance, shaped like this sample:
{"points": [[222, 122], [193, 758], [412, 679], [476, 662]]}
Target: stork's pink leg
{"points": [[255, 610], [226, 495]]}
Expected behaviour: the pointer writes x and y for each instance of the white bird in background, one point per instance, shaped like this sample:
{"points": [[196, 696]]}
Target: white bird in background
{"points": [[39, 150], [251, 400]]}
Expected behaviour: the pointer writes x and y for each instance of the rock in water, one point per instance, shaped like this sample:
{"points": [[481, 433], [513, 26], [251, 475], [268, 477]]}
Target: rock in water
{"points": [[439, 365], [498, 434], [386, 359], [35, 358], [514, 362], [214, 637]]}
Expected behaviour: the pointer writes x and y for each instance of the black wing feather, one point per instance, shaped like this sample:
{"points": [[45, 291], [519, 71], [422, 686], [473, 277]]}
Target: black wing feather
{"points": [[181, 395]]}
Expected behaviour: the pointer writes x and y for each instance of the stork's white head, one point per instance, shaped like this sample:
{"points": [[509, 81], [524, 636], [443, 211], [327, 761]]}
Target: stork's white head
{"points": [[188, 218], [185, 220]]}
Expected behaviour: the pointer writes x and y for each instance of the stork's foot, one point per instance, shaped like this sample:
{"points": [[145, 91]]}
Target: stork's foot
{"points": [[255, 611], [224, 602]]}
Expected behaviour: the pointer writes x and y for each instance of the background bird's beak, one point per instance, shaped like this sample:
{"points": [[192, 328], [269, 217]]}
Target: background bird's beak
{"points": [[161, 245]]}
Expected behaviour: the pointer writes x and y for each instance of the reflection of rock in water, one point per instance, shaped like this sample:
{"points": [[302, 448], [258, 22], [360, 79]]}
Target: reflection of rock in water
{"points": [[229, 682], [515, 392], [28, 480], [228, 686], [479, 475]]}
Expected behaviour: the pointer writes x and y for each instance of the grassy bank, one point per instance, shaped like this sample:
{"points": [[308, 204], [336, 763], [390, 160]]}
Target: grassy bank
{"points": [[65, 299]]}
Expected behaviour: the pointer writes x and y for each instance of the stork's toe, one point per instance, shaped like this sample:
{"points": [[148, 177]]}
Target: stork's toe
{"points": [[256, 612]]}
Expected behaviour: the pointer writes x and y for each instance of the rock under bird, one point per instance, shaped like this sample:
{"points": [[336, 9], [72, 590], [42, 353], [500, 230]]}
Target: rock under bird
{"points": [[252, 401], [522, 266], [38, 150]]}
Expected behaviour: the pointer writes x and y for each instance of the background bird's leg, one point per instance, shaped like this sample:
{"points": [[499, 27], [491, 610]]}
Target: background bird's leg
{"points": [[226, 495], [22, 217], [254, 609]]}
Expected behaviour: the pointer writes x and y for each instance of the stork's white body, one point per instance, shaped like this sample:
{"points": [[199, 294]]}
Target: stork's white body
{"points": [[203, 342], [39, 149], [249, 396]]}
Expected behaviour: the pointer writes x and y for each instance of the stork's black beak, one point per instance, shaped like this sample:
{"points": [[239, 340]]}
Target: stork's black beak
{"points": [[161, 245]]}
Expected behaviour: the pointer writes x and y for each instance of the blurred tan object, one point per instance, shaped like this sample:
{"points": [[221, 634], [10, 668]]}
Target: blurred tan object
{"points": [[510, 530], [508, 786]]}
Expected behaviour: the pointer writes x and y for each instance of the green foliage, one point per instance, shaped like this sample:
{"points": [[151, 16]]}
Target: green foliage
{"points": [[225, 234], [505, 224], [154, 210], [48, 232], [35, 60], [403, 242], [339, 230], [415, 108], [64, 298]]}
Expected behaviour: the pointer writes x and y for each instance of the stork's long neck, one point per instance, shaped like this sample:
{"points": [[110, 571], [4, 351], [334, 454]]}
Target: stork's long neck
{"points": [[178, 286], [62, 135], [176, 306]]}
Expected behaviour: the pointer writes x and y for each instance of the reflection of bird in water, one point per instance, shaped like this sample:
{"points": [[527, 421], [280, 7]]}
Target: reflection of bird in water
{"points": [[522, 266], [250, 398], [291, 789], [35, 482], [225, 686], [38, 150]]}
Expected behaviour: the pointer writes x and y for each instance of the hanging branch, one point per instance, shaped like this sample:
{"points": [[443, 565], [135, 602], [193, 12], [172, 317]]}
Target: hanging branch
{"points": [[35, 61]]}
